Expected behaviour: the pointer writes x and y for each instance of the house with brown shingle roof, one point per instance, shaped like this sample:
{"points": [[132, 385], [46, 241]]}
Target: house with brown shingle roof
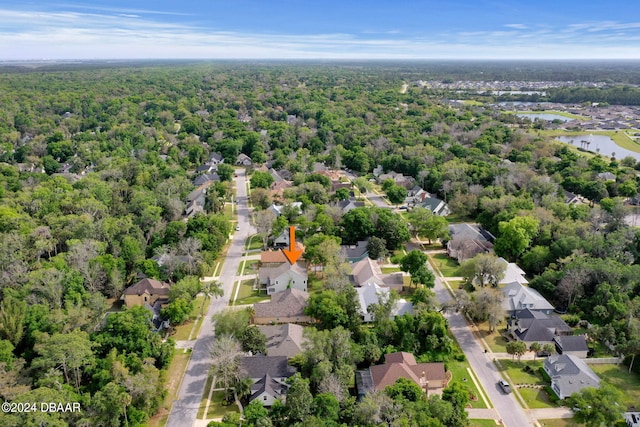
{"points": [[146, 291], [431, 377], [285, 307]]}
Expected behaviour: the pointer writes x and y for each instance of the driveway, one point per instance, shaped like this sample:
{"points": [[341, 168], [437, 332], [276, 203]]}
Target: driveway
{"points": [[506, 406], [185, 409]]}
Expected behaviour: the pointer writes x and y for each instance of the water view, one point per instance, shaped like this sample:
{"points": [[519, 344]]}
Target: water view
{"points": [[545, 116], [599, 144]]}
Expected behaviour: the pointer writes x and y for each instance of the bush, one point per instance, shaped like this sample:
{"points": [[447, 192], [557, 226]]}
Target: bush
{"points": [[528, 369], [395, 259], [544, 374], [553, 397], [571, 320]]}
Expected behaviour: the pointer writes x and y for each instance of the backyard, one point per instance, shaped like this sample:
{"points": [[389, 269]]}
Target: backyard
{"points": [[619, 377]]}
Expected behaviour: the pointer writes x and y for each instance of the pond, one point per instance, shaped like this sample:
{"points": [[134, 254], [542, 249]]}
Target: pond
{"points": [[599, 144], [545, 116]]}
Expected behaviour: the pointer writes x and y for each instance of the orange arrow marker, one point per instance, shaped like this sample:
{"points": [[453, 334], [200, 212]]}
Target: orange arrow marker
{"points": [[293, 253]]}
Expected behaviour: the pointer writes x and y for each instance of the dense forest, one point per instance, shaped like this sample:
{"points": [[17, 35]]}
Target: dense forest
{"points": [[96, 164]]}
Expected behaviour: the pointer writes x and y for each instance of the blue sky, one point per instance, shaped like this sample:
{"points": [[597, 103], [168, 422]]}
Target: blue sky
{"points": [[345, 29]]}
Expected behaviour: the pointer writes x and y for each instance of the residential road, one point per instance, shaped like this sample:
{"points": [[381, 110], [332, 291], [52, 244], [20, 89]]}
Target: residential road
{"points": [[184, 410]]}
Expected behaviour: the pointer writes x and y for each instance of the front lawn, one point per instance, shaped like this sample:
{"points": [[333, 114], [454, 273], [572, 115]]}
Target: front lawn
{"points": [[558, 422], [253, 242], [460, 374], [447, 266], [247, 295], [497, 343], [518, 375], [536, 398], [182, 332], [619, 377], [482, 423], [249, 267]]}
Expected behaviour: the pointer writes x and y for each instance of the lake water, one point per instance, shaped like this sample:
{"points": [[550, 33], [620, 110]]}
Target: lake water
{"points": [[599, 143], [545, 116]]}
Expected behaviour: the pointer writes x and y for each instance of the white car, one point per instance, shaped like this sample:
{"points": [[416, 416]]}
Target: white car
{"points": [[237, 228]]}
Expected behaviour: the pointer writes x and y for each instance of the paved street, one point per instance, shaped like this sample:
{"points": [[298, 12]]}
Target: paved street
{"points": [[185, 409], [506, 406]]}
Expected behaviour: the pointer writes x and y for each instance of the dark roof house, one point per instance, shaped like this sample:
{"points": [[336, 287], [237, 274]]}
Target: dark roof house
{"points": [[535, 326], [283, 340], [569, 375]]}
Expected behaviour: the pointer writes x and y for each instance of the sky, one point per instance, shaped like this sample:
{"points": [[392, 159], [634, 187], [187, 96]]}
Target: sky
{"points": [[320, 29]]}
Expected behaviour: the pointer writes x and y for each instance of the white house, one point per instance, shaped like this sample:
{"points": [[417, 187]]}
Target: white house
{"points": [[373, 294], [282, 277], [518, 297], [512, 273], [569, 375]]}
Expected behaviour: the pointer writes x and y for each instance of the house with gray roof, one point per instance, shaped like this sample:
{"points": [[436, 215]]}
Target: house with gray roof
{"points": [[374, 294], [574, 345], [518, 297], [569, 375], [357, 252], [282, 277], [269, 375], [368, 271], [348, 205], [512, 273], [284, 307], [436, 206], [243, 160], [205, 179], [535, 326], [283, 340], [468, 240]]}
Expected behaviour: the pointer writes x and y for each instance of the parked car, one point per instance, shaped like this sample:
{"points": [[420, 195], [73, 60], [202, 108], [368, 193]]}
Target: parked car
{"points": [[543, 353], [237, 228], [504, 386]]}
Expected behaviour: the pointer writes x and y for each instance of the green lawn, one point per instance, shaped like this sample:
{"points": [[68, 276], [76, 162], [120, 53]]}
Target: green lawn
{"points": [[447, 266], [558, 422], [253, 242], [536, 398], [461, 375], [482, 423], [496, 342], [182, 331], [518, 375], [387, 270], [315, 284], [246, 294], [619, 377], [218, 408], [250, 267]]}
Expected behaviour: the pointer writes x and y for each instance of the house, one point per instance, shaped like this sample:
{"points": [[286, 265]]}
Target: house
{"points": [[205, 179], [535, 326], [518, 297], [571, 199], [278, 209], [146, 291], [512, 273], [431, 377], [243, 160], [276, 191], [196, 201], [285, 307], [284, 276], [416, 196], [436, 206], [574, 345], [606, 176], [357, 252], [400, 179], [632, 419], [283, 340], [569, 375], [215, 159], [468, 240], [347, 205], [372, 294], [268, 375], [367, 271]]}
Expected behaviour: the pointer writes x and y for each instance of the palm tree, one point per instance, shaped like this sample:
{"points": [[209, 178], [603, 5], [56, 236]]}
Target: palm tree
{"points": [[211, 290]]}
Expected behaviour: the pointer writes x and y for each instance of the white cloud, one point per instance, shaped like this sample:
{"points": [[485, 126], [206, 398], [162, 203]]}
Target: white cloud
{"points": [[66, 35]]}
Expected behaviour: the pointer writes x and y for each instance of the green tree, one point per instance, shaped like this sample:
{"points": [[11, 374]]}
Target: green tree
{"points": [[225, 172], [377, 248], [231, 322], [396, 194], [177, 311], [515, 236], [299, 403], [253, 340], [261, 179], [516, 348], [415, 264], [483, 269], [327, 407], [12, 316], [597, 407], [405, 390]]}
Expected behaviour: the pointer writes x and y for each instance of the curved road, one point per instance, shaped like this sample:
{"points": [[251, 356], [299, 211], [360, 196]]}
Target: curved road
{"points": [[184, 410]]}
